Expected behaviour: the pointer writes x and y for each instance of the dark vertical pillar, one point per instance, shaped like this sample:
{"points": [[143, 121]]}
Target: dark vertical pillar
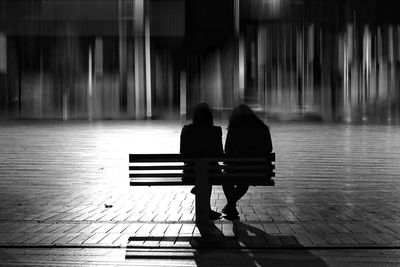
{"points": [[19, 78], [202, 192], [3, 73], [122, 59]]}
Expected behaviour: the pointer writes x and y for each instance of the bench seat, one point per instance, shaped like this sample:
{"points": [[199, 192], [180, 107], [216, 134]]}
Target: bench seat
{"points": [[170, 169], [175, 169]]}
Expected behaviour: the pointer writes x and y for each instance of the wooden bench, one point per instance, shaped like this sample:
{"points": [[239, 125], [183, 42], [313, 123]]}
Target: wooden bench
{"points": [[175, 169]]}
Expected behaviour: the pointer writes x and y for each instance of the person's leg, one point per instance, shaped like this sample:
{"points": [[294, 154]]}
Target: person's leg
{"points": [[233, 193], [240, 191], [230, 207], [212, 214], [229, 191], [209, 196]]}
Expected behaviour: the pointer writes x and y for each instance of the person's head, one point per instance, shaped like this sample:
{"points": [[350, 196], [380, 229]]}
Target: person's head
{"points": [[242, 116], [202, 114]]}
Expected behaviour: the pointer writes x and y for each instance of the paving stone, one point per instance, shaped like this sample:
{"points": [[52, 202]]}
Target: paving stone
{"points": [[347, 239], [37, 238], [77, 228], [186, 230], [362, 239], [173, 229], [104, 228], [284, 228], [6, 237], [298, 228], [303, 240], [118, 228], [159, 229], [288, 241], [271, 228], [80, 239], [132, 228], [51, 238], [66, 238], [95, 238], [273, 240], [317, 239], [50, 228], [339, 228], [145, 230], [168, 241], [21, 238], [228, 230], [122, 240], [332, 239]]}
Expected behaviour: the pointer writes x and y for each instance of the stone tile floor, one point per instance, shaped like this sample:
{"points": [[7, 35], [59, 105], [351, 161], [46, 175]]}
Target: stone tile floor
{"points": [[65, 184], [116, 257]]}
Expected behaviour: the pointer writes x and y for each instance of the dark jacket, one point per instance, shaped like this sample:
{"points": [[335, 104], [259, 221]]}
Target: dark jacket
{"points": [[249, 140], [201, 141]]}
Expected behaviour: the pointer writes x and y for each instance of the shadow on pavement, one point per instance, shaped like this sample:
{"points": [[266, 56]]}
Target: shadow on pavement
{"points": [[247, 247], [242, 245]]}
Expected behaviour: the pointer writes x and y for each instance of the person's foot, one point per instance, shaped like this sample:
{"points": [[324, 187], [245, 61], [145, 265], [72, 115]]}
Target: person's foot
{"points": [[214, 215], [230, 211]]}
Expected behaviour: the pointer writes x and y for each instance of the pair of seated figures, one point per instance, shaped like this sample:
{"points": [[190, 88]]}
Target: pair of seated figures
{"points": [[247, 136]]}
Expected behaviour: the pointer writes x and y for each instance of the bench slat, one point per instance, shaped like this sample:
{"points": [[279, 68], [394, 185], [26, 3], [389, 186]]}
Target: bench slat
{"points": [[160, 167], [141, 179], [243, 176], [181, 158], [249, 181], [186, 167], [235, 160], [177, 181], [161, 175], [158, 158], [242, 167], [152, 169], [161, 160], [155, 183]]}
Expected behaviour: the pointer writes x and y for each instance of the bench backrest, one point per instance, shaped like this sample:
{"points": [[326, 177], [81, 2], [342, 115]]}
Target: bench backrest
{"points": [[175, 169]]}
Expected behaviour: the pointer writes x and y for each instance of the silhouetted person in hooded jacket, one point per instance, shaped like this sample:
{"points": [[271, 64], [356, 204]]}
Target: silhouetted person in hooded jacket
{"points": [[247, 136], [202, 139]]}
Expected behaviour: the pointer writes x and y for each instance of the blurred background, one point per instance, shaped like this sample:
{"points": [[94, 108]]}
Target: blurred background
{"points": [[331, 60]]}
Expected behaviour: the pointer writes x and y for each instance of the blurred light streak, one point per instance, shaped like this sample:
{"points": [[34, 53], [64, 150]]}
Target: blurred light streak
{"points": [[183, 94], [241, 69], [3, 53], [289, 60], [236, 16], [90, 84], [148, 67]]}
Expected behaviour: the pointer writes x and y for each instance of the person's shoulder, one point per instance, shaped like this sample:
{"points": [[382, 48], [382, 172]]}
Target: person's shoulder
{"points": [[186, 128], [260, 124], [217, 129], [265, 127]]}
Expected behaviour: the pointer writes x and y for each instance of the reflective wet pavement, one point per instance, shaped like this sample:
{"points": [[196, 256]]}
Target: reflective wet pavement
{"points": [[336, 187]]}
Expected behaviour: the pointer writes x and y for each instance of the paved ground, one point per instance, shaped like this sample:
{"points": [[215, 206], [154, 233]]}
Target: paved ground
{"points": [[65, 186]]}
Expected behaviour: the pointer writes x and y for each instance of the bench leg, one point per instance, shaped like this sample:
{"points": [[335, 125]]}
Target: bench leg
{"points": [[202, 192]]}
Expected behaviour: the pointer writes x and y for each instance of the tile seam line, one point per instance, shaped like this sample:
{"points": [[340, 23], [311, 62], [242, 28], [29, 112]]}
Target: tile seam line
{"points": [[213, 247], [60, 246], [270, 248]]}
